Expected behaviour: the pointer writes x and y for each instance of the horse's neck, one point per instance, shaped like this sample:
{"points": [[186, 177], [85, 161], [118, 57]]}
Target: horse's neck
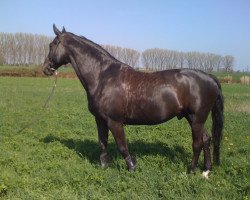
{"points": [[87, 69]]}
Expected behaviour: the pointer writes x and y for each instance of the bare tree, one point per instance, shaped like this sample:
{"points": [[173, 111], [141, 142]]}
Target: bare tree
{"points": [[146, 59], [204, 61], [150, 59], [23, 48], [193, 60], [131, 57], [181, 59], [228, 62], [126, 55]]}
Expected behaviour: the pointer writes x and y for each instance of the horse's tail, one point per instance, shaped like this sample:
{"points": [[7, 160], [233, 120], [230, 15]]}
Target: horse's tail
{"points": [[218, 121]]}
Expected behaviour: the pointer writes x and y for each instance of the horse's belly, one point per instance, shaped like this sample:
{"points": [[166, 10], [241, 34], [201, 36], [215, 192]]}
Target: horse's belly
{"points": [[141, 121], [150, 113]]}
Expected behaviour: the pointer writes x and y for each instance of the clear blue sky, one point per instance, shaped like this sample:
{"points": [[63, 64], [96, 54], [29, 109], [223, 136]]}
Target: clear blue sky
{"points": [[215, 26]]}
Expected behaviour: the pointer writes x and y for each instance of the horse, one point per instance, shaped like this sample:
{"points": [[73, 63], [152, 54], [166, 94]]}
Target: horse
{"points": [[119, 95]]}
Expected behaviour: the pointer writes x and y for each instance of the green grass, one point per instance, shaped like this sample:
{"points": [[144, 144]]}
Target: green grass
{"points": [[58, 157]]}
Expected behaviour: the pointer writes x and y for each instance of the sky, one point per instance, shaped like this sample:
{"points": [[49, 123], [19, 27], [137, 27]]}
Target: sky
{"points": [[209, 26]]}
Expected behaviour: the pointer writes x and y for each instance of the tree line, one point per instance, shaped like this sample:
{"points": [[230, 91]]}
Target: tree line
{"points": [[160, 59], [23, 48], [31, 49]]}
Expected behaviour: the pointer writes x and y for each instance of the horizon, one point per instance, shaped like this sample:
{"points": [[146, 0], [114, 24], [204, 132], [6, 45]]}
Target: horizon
{"points": [[208, 27]]}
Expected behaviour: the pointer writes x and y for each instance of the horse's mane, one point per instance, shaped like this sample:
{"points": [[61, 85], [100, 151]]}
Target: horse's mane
{"points": [[92, 44]]}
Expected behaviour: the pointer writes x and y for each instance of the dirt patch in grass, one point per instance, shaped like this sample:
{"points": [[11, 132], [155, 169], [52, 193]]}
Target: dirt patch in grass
{"points": [[33, 72]]}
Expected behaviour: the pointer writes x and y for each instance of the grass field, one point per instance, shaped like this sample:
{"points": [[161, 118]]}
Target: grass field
{"points": [[58, 157]]}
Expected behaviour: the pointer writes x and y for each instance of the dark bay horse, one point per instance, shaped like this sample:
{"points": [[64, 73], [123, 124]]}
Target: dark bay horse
{"points": [[117, 95]]}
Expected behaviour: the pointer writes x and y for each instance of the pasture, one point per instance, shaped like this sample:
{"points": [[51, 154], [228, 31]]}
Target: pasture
{"points": [[58, 156]]}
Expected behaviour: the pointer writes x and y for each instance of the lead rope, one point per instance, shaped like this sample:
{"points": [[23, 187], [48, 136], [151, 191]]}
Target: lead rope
{"points": [[52, 91], [44, 105]]}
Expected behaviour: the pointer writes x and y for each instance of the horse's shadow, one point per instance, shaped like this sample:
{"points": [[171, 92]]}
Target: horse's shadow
{"points": [[89, 149]]}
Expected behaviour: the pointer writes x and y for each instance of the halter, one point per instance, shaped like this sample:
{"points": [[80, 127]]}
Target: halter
{"points": [[50, 58]]}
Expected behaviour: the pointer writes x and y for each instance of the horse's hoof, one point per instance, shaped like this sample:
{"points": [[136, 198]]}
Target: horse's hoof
{"points": [[205, 174], [105, 160], [131, 163], [190, 171]]}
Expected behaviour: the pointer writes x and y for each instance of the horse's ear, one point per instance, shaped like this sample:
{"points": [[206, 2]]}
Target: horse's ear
{"points": [[56, 31], [63, 30]]}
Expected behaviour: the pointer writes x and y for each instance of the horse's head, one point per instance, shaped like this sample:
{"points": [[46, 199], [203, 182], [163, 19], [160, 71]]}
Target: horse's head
{"points": [[57, 53]]}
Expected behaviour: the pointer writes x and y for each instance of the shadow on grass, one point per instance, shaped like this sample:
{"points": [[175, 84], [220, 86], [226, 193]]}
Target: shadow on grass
{"points": [[90, 150]]}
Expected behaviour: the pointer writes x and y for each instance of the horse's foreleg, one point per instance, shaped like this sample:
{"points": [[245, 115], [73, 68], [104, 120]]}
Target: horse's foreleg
{"points": [[118, 132], [103, 141]]}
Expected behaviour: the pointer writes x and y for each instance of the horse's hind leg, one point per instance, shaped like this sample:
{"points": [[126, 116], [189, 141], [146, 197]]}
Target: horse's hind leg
{"points": [[197, 144], [118, 132], [103, 141], [200, 140], [207, 155]]}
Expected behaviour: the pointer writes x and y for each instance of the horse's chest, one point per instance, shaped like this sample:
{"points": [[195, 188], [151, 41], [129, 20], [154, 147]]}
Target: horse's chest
{"points": [[111, 105]]}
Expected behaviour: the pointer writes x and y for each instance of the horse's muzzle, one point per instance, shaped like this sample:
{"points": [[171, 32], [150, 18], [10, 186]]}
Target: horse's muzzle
{"points": [[48, 71]]}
